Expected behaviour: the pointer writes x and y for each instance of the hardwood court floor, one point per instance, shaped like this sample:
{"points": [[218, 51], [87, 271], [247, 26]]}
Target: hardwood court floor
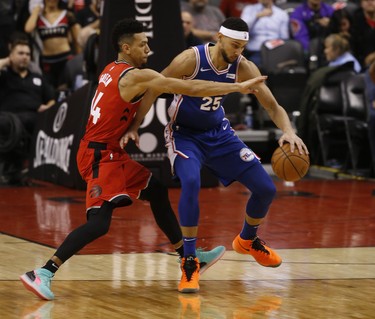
{"points": [[323, 229]]}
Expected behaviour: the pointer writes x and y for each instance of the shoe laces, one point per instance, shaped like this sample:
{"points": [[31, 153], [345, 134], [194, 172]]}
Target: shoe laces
{"points": [[258, 245], [198, 250], [189, 267]]}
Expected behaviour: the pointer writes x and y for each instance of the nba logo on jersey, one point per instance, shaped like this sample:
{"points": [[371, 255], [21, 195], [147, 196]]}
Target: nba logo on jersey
{"points": [[246, 155]]}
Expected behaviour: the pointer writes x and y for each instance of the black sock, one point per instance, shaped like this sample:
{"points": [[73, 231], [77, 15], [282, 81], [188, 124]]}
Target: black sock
{"points": [[51, 266], [180, 251]]}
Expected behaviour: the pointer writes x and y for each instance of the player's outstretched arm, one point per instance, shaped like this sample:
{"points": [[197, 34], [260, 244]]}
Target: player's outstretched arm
{"points": [[201, 87], [138, 81]]}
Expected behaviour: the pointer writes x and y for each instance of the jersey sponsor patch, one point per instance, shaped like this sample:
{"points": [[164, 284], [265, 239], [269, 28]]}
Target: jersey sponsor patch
{"points": [[246, 155], [231, 76]]}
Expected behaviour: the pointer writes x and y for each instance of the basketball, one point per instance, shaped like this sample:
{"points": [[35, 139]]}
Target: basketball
{"points": [[289, 166]]}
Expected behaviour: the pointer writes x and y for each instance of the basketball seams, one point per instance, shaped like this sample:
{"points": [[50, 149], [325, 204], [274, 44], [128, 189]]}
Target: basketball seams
{"points": [[289, 166], [293, 165]]}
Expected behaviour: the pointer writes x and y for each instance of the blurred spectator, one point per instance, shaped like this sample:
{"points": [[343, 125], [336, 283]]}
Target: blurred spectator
{"points": [[233, 8], [22, 94], [310, 20], [207, 18], [7, 24], [364, 32], [55, 27], [89, 20], [266, 22], [337, 51], [187, 25], [33, 3], [341, 23], [76, 5]]}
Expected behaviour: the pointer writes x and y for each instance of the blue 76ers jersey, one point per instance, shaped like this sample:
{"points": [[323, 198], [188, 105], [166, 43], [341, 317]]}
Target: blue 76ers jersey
{"points": [[202, 113]]}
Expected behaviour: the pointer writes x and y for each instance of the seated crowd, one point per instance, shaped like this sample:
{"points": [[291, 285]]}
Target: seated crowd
{"points": [[38, 49]]}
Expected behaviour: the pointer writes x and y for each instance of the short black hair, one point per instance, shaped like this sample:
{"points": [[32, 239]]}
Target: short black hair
{"points": [[124, 30], [19, 38], [236, 24]]}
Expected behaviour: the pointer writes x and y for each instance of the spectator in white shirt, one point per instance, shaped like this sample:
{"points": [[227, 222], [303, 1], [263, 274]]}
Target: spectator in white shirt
{"points": [[266, 22]]}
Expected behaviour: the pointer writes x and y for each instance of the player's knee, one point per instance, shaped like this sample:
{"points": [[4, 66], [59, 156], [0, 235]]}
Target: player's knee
{"points": [[266, 192], [269, 192], [97, 229], [99, 220], [155, 191], [191, 182]]}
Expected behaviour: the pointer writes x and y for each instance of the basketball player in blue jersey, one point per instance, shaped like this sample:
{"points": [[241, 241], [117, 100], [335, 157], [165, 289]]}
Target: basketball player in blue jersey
{"points": [[199, 134]]}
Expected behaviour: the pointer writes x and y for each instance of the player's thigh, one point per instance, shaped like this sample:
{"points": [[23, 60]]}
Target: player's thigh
{"points": [[231, 160]]}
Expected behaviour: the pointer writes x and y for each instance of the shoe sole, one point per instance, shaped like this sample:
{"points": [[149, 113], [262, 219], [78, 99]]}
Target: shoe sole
{"points": [[29, 285], [205, 267], [238, 248], [188, 290]]}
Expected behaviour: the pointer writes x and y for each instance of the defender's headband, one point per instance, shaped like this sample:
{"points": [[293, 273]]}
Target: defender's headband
{"points": [[238, 35]]}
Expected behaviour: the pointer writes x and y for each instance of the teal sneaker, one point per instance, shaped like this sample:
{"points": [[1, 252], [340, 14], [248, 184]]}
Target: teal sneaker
{"points": [[38, 281], [39, 310], [208, 258]]}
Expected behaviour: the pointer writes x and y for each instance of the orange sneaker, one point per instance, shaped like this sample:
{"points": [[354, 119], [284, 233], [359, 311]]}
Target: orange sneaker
{"points": [[190, 275], [264, 255], [190, 306]]}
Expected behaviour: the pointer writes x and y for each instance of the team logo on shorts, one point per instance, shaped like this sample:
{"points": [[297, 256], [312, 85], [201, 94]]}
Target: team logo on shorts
{"points": [[246, 155], [95, 191]]}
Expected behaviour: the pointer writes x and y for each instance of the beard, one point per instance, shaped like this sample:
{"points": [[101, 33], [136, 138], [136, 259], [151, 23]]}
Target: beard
{"points": [[22, 68], [225, 57]]}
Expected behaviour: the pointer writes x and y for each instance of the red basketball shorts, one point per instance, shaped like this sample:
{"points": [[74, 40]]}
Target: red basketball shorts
{"points": [[111, 175]]}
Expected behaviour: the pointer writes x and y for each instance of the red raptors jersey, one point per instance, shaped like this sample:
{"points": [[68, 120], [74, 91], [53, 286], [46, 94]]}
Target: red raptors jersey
{"points": [[110, 116]]}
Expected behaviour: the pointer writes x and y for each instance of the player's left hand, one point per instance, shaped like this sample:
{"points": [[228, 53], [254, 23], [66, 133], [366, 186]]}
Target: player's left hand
{"points": [[129, 135], [294, 141], [249, 86]]}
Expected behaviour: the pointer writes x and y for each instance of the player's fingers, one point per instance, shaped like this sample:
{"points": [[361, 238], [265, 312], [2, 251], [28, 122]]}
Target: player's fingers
{"points": [[305, 149], [261, 78], [122, 143], [281, 141], [292, 147], [125, 139], [300, 148]]}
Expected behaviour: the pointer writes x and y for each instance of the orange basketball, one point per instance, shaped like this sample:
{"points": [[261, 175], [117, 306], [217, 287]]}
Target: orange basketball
{"points": [[289, 166]]}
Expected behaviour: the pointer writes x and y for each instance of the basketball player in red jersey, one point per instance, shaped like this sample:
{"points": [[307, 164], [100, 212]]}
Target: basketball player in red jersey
{"points": [[113, 179]]}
